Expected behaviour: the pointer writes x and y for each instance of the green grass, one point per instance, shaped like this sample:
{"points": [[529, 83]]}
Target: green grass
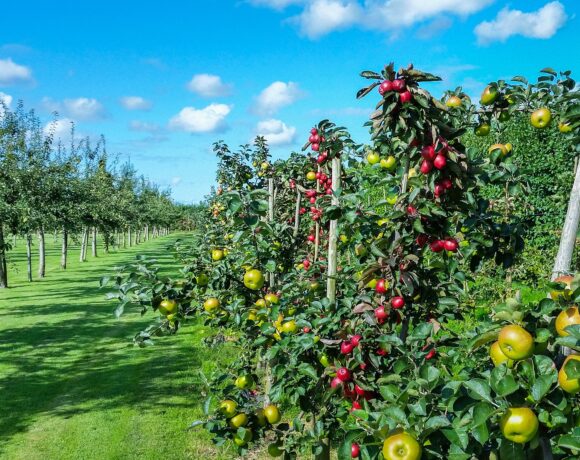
{"points": [[72, 385]]}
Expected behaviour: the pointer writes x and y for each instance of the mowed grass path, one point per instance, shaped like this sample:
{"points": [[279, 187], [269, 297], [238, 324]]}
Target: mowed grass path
{"points": [[72, 385]]}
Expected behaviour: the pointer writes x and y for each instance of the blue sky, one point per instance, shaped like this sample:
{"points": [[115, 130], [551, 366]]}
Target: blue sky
{"points": [[164, 80]]}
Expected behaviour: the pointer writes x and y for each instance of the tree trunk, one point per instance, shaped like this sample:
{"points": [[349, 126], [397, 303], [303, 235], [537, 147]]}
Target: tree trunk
{"points": [[569, 232], [106, 240], [84, 242], [29, 257], [41, 254], [3, 266], [64, 249], [55, 236], [14, 237], [129, 236], [147, 232], [94, 242], [138, 236]]}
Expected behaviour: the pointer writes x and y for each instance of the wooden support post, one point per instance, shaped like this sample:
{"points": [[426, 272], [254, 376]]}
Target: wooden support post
{"points": [[333, 234], [271, 275]]}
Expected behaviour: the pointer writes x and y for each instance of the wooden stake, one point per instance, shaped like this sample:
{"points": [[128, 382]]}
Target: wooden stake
{"points": [[333, 234]]}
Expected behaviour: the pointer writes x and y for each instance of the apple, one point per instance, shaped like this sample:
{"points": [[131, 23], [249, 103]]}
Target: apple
{"points": [[426, 167], [428, 152], [382, 286], [272, 414], [385, 87], [446, 183], [431, 354], [243, 382], [568, 317], [217, 255], [401, 446], [343, 374], [450, 244], [314, 139], [254, 279], [381, 314], [354, 448], [515, 342], [211, 304], [398, 85], [541, 118], [501, 147], [453, 101], [239, 420], [397, 302], [568, 384], [405, 97], [564, 127], [440, 161], [346, 348], [335, 383], [411, 210], [168, 307], [275, 450], [497, 355], [323, 359], [482, 130], [244, 440], [355, 340], [314, 131], [311, 175], [565, 294], [389, 162], [289, 327], [489, 95], [519, 424], [436, 246], [359, 391], [422, 240], [306, 264], [228, 408], [373, 158]]}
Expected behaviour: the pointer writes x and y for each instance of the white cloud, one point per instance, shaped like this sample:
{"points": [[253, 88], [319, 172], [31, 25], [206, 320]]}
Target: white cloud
{"points": [[12, 73], [176, 181], [276, 132], [60, 129], [320, 17], [207, 120], [81, 108], [543, 23], [143, 126], [276, 96], [135, 103], [208, 85], [6, 99], [323, 16]]}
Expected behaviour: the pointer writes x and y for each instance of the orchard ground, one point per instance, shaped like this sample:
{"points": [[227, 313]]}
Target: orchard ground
{"points": [[72, 385]]}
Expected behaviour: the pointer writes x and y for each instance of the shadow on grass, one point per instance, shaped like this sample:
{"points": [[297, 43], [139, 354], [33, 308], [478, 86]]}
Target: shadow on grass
{"points": [[78, 358]]}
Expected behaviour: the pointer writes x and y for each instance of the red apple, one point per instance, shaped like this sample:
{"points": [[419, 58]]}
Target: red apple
{"points": [[381, 314], [437, 246], [446, 183], [315, 147], [313, 131], [428, 152], [343, 374], [335, 383], [431, 354], [422, 240], [359, 391], [440, 161], [439, 190], [356, 406], [355, 340], [397, 302], [411, 210], [450, 244], [346, 348], [381, 287], [405, 97], [426, 166], [398, 85]]}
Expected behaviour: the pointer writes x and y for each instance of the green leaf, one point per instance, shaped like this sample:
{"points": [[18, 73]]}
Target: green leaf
{"points": [[437, 422], [478, 389], [572, 369], [570, 441], [501, 382], [481, 413], [541, 387], [511, 451]]}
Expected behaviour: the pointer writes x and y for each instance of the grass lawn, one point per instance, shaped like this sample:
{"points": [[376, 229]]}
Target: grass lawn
{"points": [[72, 385]]}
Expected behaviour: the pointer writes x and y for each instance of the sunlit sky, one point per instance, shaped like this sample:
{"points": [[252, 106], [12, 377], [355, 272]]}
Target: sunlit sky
{"points": [[164, 80]]}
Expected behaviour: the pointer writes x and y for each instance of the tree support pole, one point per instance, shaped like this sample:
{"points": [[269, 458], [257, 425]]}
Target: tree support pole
{"points": [[563, 261], [333, 235]]}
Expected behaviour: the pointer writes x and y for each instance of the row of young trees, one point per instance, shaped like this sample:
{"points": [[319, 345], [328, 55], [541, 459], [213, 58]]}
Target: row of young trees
{"points": [[75, 190], [347, 308]]}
